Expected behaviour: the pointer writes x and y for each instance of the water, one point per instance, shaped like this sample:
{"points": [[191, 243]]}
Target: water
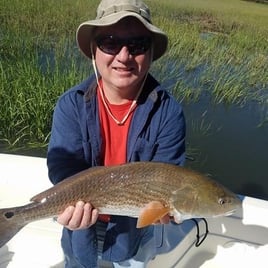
{"points": [[230, 143]]}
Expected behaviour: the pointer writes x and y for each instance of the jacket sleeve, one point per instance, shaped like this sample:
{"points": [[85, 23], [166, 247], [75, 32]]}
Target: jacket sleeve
{"points": [[65, 151]]}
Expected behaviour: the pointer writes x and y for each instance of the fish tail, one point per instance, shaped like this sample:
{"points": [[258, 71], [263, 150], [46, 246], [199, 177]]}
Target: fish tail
{"points": [[9, 225]]}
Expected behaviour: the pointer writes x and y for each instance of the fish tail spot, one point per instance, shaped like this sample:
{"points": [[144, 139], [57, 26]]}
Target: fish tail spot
{"points": [[9, 214]]}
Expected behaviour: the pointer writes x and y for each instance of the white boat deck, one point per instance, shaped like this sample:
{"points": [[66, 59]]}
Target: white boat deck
{"points": [[236, 241], [37, 244]]}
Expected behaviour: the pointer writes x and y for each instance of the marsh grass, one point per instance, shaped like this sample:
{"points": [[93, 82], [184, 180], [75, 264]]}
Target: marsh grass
{"points": [[215, 46], [225, 43], [29, 90]]}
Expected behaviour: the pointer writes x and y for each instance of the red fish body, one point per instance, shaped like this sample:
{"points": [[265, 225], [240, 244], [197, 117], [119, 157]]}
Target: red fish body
{"points": [[146, 190]]}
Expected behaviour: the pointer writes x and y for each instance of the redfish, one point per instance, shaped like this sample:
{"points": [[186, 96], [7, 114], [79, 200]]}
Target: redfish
{"points": [[146, 190]]}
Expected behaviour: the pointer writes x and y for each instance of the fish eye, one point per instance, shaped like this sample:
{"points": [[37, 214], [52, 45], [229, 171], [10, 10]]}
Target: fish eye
{"points": [[221, 201]]}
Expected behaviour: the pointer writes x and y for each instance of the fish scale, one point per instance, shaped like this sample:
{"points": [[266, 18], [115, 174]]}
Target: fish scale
{"points": [[147, 190]]}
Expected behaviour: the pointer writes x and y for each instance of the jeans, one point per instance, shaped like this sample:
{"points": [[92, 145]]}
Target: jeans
{"points": [[158, 240]]}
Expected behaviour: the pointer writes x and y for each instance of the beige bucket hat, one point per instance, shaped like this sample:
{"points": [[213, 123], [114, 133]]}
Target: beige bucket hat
{"points": [[110, 12]]}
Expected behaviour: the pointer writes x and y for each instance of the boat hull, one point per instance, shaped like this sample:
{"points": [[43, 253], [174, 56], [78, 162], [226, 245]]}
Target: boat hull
{"points": [[228, 240]]}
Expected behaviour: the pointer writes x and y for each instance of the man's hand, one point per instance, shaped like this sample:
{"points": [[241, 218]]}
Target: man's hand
{"points": [[80, 216], [164, 220]]}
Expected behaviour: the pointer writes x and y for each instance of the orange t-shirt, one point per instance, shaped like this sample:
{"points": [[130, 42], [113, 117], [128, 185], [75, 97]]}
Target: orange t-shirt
{"points": [[114, 136]]}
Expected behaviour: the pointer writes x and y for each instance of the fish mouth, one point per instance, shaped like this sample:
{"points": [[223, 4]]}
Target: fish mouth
{"points": [[225, 214], [229, 213]]}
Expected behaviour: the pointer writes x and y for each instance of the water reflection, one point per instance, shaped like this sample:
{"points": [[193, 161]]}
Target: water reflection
{"points": [[230, 143]]}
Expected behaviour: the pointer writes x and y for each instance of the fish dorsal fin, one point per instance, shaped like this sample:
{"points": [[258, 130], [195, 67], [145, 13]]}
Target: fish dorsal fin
{"points": [[151, 213]]}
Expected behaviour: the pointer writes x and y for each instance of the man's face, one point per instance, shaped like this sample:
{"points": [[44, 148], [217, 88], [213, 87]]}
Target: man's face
{"points": [[127, 68]]}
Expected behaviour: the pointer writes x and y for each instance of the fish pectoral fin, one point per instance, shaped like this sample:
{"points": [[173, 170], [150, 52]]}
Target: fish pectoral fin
{"points": [[177, 216], [151, 213]]}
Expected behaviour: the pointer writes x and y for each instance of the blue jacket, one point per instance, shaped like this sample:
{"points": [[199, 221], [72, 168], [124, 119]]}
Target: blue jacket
{"points": [[157, 133]]}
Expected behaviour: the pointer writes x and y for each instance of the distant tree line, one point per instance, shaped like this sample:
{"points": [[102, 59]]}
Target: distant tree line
{"points": [[258, 1]]}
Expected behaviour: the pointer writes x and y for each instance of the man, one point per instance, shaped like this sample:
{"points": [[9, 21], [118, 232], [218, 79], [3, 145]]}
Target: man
{"points": [[118, 115]]}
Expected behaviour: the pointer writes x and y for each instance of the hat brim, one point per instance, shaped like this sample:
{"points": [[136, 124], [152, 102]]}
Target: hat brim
{"points": [[85, 31]]}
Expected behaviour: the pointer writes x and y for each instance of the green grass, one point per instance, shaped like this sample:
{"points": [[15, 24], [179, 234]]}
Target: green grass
{"points": [[215, 46], [235, 49]]}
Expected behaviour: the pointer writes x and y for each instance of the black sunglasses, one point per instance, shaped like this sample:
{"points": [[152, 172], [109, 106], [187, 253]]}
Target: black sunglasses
{"points": [[112, 45]]}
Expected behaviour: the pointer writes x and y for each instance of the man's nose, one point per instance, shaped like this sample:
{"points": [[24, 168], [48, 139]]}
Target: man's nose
{"points": [[123, 54]]}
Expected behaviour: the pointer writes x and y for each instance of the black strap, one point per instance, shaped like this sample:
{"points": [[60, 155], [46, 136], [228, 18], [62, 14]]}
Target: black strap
{"points": [[199, 241], [101, 228]]}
